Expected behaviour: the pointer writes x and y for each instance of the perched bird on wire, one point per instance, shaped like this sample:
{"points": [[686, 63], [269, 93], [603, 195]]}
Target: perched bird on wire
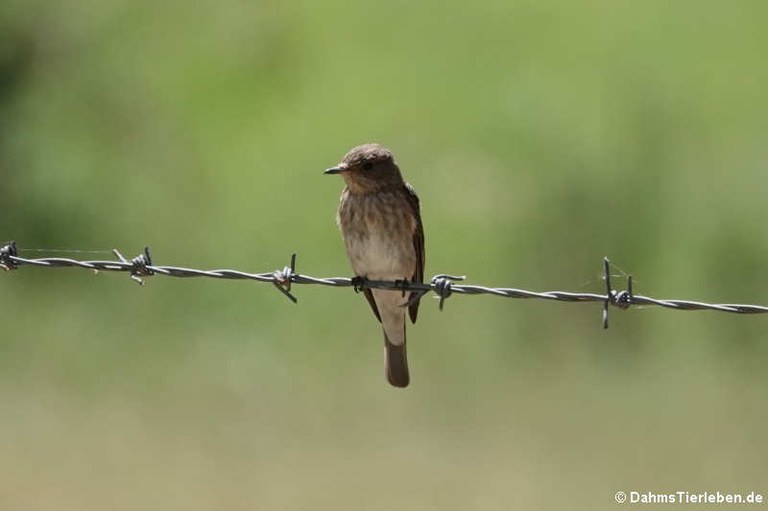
{"points": [[380, 222]]}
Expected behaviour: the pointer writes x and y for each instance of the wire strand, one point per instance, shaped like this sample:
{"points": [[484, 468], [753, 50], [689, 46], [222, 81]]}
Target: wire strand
{"points": [[442, 285]]}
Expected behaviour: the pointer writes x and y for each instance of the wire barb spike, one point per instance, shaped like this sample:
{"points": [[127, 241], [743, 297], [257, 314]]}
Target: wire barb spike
{"points": [[139, 266], [443, 286], [282, 279], [621, 299], [7, 255], [608, 290]]}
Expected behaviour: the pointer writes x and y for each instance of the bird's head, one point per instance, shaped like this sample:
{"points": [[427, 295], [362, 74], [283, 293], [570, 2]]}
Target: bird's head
{"points": [[368, 168]]}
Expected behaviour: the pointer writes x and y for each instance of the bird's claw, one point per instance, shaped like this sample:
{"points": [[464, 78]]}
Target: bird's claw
{"points": [[402, 284], [358, 283]]}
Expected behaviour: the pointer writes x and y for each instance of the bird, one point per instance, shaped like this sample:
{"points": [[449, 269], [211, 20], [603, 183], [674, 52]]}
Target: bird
{"points": [[379, 217]]}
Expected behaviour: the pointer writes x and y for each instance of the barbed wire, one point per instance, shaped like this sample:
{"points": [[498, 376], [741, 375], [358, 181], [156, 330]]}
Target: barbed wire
{"points": [[442, 285]]}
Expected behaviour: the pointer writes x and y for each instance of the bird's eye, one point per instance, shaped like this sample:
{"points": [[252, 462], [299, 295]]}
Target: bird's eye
{"points": [[367, 165]]}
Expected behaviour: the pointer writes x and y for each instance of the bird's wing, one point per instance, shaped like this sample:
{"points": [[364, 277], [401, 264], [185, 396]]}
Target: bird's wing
{"points": [[369, 296], [418, 246]]}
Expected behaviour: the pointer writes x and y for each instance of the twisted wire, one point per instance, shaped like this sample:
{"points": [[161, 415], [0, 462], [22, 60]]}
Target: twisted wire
{"points": [[442, 285]]}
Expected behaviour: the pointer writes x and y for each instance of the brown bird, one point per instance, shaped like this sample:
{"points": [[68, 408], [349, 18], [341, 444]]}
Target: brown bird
{"points": [[381, 225]]}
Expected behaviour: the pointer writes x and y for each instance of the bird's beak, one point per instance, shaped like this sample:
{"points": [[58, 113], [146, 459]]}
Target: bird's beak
{"points": [[338, 169]]}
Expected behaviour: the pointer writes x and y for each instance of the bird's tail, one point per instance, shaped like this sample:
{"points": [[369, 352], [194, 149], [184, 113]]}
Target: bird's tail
{"points": [[396, 363]]}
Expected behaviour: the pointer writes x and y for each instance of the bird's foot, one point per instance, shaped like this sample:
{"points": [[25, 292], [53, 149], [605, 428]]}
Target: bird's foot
{"points": [[358, 283], [402, 284]]}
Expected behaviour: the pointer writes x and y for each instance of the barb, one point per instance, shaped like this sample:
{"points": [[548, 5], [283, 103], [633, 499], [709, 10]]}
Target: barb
{"points": [[442, 285], [139, 265], [7, 254]]}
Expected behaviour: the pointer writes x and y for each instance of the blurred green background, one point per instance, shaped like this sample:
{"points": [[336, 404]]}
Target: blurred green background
{"points": [[541, 136]]}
